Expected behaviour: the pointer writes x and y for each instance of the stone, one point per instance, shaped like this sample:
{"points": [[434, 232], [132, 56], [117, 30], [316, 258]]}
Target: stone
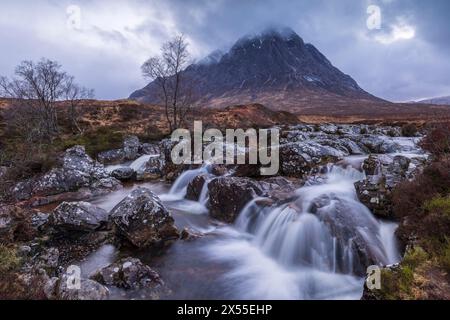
{"points": [[143, 220]]}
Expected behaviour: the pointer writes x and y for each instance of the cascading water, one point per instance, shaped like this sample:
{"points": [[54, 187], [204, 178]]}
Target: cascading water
{"points": [[176, 195], [315, 247]]}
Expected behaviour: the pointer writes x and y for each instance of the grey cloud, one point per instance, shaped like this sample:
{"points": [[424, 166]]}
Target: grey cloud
{"points": [[404, 70]]}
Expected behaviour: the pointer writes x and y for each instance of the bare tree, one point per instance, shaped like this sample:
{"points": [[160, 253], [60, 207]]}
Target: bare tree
{"points": [[175, 90], [35, 91], [74, 95]]}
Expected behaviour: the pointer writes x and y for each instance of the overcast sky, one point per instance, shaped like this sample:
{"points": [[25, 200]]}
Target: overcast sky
{"points": [[103, 43]]}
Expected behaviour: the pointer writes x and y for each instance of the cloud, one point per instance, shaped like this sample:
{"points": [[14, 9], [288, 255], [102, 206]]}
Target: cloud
{"points": [[398, 32], [406, 58]]}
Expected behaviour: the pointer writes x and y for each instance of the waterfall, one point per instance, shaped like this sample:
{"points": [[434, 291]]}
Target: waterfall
{"points": [[139, 162], [314, 247], [179, 188]]}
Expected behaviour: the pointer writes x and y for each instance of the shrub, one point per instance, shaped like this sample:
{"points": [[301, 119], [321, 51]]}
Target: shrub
{"points": [[409, 130], [96, 141], [9, 259], [439, 205], [437, 141]]}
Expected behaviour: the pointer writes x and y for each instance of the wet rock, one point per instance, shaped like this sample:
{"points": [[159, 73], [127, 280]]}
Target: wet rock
{"points": [[149, 148], [219, 169], [131, 274], [297, 159], [379, 144], [194, 188], [131, 150], [188, 234], [79, 216], [151, 169], [354, 227], [143, 220], [229, 195], [384, 173], [64, 288], [124, 174]]}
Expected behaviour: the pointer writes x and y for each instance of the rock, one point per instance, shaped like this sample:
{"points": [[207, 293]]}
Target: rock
{"points": [[229, 195], [384, 173], [151, 169], [371, 165], [62, 288], [219, 169], [48, 260], [352, 225], [149, 148], [143, 220], [188, 234], [194, 188], [77, 171], [168, 169], [297, 159], [131, 146], [114, 156], [3, 171], [379, 144], [124, 174], [131, 274], [39, 220], [79, 216], [15, 224]]}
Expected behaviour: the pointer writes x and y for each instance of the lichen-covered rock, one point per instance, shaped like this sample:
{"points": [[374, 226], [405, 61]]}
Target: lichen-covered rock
{"points": [[63, 288], [297, 159], [124, 174], [79, 216], [384, 172], [77, 171], [143, 220], [151, 169], [132, 274]]}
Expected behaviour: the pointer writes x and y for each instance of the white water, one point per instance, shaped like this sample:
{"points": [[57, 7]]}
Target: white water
{"points": [[304, 249], [287, 252]]}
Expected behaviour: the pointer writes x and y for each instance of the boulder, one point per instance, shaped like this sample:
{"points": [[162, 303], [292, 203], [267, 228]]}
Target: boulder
{"points": [[297, 159], [131, 274], [124, 174], [77, 171], [62, 288], [79, 216], [114, 156], [151, 169], [131, 146], [194, 188], [229, 195], [355, 229], [143, 220], [384, 172]]}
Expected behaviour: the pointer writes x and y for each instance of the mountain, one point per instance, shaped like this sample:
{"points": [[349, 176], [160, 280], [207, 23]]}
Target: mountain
{"points": [[437, 100], [275, 68]]}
